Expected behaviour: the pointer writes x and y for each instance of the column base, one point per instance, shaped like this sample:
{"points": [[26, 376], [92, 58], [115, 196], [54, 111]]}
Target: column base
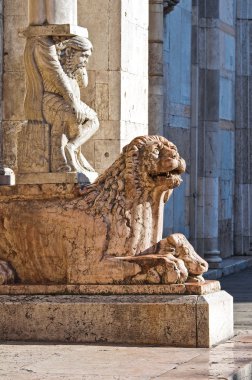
{"points": [[214, 260]]}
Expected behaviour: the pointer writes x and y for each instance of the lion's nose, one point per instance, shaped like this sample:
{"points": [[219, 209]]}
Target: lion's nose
{"points": [[204, 265], [182, 166]]}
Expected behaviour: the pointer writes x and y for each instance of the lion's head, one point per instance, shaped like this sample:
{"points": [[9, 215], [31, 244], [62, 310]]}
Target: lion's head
{"points": [[156, 163], [145, 164]]}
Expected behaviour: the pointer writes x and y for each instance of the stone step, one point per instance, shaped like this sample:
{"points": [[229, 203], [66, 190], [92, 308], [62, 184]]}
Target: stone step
{"points": [[230, 265]]}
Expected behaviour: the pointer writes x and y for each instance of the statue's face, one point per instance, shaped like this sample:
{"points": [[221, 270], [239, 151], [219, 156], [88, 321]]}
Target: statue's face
{"points": [[79, 62], [80, 58]]}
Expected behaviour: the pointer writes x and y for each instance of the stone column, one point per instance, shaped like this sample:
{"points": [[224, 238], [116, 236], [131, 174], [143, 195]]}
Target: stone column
{"points": [[243, 131], [157, 8], [52, 12], [205, 132], [156, 85]]}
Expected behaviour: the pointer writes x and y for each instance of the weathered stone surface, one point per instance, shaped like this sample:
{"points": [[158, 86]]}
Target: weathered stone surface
{"points": [[108, 233], [41, 178], [118, 319], [10, 131], [106, 319], [214, 318], [39, 191], [33, 148]]}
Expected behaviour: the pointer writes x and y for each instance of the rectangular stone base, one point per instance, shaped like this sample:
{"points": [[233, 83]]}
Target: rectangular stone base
{"points": [[170, 320]]}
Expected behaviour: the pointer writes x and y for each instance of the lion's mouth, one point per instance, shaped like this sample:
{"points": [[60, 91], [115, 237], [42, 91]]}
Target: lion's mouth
{"points": [[170, 174]]}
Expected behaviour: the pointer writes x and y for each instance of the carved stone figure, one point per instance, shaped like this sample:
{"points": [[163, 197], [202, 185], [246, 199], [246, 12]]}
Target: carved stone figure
{"points": [[110, 233], [55, 72]]}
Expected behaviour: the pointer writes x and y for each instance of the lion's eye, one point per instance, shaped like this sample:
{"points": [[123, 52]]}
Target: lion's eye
{"points": [[156, 151]]}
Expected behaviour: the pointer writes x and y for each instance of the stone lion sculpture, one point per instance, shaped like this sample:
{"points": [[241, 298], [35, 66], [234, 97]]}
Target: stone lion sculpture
{"points": [[110, 233]]}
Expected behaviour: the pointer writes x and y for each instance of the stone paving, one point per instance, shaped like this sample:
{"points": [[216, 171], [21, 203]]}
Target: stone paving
{"points": [[230, 360], [240, 286]]}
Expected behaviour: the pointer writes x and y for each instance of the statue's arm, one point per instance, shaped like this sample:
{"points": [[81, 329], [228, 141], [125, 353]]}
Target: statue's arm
{"points": [[54, 78]]}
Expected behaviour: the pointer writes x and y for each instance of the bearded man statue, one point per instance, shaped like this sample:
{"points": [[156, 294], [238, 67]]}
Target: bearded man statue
{"points": [[55, 72]]}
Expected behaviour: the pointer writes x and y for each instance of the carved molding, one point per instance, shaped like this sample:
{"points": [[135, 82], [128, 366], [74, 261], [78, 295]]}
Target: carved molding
{"points": [[169, 5]]}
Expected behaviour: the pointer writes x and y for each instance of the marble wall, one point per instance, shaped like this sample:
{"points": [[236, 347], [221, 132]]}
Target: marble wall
{"points": [[243, 131], [177, 106], [203, 111], [118, 72]]}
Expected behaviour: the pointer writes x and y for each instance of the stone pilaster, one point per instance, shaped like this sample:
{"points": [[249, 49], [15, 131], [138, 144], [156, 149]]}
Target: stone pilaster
{"points": [[15, 17], [157, 8], [243, 131], [7, 176], [205, 132], [118, 74]]}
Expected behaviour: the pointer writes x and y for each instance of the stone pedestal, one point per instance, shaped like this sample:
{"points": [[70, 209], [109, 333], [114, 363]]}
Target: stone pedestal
{"points": [[170, 320]]}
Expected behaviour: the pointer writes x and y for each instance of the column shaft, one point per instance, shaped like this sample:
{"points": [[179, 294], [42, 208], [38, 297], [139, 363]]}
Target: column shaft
{"points": [[156, 86]]}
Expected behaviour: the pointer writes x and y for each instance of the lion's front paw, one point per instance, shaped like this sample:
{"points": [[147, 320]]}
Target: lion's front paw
{"points": [[160, 270], [197, 279], [7, 275], [175, 271]]}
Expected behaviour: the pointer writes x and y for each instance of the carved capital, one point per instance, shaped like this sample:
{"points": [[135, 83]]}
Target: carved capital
{"points": [[169, 5]]}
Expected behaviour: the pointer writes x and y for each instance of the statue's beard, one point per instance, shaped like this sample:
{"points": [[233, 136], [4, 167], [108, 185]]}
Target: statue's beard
{"points": [[80, 74]]}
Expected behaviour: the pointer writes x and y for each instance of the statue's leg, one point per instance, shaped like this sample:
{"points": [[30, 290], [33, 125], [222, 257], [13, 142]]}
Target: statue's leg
{"points": [[58, 114], [80, 135], [58, 158], [7, 275]]}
